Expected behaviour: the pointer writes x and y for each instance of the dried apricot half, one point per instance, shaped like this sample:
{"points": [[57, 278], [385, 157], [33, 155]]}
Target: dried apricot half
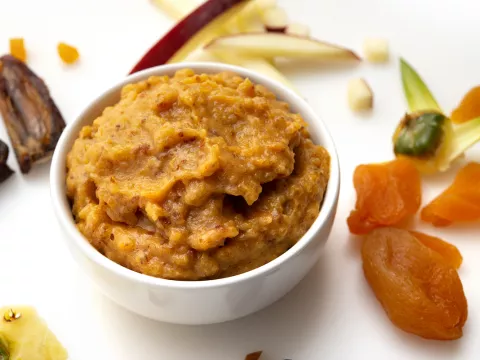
{"points": [[469, 107], [387, 194], [460, 202], [448, 251], [420, 292]]}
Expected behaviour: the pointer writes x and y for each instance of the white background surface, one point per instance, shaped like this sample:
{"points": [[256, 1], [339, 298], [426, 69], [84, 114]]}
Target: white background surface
{"points": [[332, 314]]}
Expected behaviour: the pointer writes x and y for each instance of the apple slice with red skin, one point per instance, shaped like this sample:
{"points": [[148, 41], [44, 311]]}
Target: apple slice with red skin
{"points": [[202, 24], [270, 45], [245, 21]]}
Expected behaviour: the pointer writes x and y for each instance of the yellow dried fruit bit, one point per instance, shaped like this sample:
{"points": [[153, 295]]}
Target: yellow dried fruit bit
{"points": [[67, 53], [17, 49]]}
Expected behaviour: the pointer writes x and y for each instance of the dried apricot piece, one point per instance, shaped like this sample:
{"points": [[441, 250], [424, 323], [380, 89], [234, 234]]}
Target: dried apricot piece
{"points": [[17, 49], [387, 194], [67, 53], [254, 356], [448, 251], [420, 292], [469, 107], [460, 202]]}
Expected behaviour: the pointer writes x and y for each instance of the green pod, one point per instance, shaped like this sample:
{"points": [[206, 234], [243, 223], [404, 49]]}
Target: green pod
{"points": [[420, 135]]}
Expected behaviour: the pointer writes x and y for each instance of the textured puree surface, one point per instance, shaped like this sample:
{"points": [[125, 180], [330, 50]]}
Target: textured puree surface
{"points": [[196, 177]]}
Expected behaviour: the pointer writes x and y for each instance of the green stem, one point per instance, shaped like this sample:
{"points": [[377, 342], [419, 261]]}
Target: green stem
{"points": [[418, 95], [465, 135]]}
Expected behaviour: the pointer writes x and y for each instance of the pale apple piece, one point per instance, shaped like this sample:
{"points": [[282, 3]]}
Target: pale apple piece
{"points": [[260, 66], [360, 95], [28, 337], [275, 19], [250, 19], [297, 29], [202, 55], [252, 26], [200, 26], [246, 20], [270, 45], [376, 50], [177, 9], [211, 30]]}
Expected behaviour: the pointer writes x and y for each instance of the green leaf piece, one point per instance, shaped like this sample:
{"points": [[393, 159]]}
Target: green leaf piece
{"points": [[418, 95]]}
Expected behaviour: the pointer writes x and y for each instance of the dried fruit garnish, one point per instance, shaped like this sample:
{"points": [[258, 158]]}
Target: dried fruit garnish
{"points": [[469, 107], [448, 251], [26, 336], [387, 194], [5, 171], [425, 135], [420, 292], [67, 53], [11, 315], [254, 356], [460, 202], [32, 119], [17, 49]]}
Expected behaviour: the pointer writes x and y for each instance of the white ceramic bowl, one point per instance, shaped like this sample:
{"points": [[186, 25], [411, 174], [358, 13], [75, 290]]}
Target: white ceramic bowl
{"points": [[196, 302]]}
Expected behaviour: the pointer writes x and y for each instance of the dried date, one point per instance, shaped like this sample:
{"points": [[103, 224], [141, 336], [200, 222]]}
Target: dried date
{"points": [[33, 121], [5, 171]]}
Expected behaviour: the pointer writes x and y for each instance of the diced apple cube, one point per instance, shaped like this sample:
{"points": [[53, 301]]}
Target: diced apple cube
{"points": [[360, 96], [376, 50]]}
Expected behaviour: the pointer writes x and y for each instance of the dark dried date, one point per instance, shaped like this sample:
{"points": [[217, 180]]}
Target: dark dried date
{"points": [[33, 121], [5, 171]]}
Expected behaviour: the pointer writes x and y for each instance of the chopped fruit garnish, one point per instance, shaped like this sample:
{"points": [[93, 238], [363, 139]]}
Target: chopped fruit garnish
{"points": [[17, 49], [376, 50], [426, 135], [245, 20], [275, 19], [448, 251], [297, 29], [200, 26], [202, 55], [5, 171], [425, 138], [250, 18], [279, 45], [25, 335], [254, 356], [387, 195], [469, 107], [459, 203], [33, 121], [360, 96], [420, 292], [67, 53]]}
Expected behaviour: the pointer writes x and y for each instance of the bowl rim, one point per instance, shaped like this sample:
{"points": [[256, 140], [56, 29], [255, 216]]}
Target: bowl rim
{"points": [[58, 173]]}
